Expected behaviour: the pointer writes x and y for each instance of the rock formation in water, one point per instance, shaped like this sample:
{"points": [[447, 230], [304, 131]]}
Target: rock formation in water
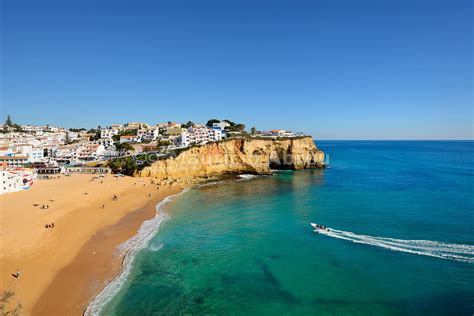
{"points": [[238, 156]]}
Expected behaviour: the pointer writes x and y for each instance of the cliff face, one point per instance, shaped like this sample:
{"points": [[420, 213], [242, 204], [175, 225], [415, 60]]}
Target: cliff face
{"points": [[237, 156]]}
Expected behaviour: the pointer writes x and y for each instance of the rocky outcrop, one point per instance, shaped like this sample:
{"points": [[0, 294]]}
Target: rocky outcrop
{"points": [[238, 156]]}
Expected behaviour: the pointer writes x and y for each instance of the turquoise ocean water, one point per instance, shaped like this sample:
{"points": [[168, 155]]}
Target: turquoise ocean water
{"points": [[402, 215]]}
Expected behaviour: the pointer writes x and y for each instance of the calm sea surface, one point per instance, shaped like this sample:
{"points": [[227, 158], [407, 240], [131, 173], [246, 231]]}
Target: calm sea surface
{"points": [[402, 239]]}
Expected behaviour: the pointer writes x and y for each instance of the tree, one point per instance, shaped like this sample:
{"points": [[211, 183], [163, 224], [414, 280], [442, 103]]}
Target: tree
{"points": [[127, 132], [77, 130], [232, 124], [94, 134], [124, 147], [126, 165], [163, 142], [212, 121], [253, 130], [17, 128], [8, 121], [240, 127], [67, 140], [187, 125]]}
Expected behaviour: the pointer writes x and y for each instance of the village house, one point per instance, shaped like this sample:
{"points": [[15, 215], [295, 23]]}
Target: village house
{"points": [[107, 133], [279, 133], [199, 134], [129, 139], [16, 179], [14, 161], [222, 125], [135, 125], [148, 134]]}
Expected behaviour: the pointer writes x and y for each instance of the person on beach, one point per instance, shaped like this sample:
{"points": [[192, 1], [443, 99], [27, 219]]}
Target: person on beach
{"points": [[17, 273]]}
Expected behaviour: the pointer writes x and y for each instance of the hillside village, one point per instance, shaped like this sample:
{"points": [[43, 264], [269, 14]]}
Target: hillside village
{"points": [[29, 151]]}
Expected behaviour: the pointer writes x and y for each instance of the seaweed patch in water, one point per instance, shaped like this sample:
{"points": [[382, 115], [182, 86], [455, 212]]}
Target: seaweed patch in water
{"points": [[198, 300]]}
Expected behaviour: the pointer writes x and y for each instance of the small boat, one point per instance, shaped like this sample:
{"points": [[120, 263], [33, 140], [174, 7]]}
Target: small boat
{"points": [[319, 228]]}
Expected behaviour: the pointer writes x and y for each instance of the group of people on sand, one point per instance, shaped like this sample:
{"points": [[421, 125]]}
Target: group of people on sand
{"points": [[44, 206], [49, 225]]}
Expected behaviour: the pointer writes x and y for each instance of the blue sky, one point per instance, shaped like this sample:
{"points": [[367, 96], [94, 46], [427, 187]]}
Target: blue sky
{"points": [[333, 69]]}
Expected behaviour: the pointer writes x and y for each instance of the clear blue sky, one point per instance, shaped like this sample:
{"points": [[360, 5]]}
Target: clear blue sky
{"points": [[334, 69]]}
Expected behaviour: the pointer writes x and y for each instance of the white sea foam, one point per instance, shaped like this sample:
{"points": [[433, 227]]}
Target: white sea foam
{"points": [[130, 248], [458, 252], [246, 176], [155, 248]]}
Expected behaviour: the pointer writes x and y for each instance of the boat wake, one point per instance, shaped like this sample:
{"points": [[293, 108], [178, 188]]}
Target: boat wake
{"points": [[457, 252]]}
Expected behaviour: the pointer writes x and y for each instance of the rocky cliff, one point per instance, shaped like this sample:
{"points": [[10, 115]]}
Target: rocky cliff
{"points": [[238, 156]]}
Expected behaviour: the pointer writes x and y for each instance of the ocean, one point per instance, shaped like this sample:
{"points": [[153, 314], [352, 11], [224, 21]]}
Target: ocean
{"points": [[401, 240]]}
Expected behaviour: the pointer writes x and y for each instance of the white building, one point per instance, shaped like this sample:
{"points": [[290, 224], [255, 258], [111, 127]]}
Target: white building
{"points": [[107, 133], [222, 125], [199, 134], [106, 136], [16, 179], [13, 161], [280, 133], [32, 129], [72, 136], [106, 142], [66, 154], [34, 154], [129, 139], [109, 153], [215, 134], [90, 152], [148, 134]]}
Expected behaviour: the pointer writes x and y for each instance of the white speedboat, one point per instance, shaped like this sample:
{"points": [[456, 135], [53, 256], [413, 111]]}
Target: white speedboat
{"points": [[319, 228]]}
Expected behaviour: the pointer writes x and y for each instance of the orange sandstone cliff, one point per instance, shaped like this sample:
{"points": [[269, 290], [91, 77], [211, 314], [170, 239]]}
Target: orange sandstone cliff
{"points": [[238, 156]]}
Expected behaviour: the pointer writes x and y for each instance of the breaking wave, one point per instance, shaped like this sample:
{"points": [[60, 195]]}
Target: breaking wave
{"points": [[457, 252], [247, 176], [129, 249]]}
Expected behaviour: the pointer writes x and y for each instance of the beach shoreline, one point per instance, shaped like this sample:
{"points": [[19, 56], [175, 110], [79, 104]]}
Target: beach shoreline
{"points": [[64, 267], [128, 251]]}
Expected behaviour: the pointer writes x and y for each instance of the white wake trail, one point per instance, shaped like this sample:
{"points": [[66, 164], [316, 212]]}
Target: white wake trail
{"points": [[457, 252]]}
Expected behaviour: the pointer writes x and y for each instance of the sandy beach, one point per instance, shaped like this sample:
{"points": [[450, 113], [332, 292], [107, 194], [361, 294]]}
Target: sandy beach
{"points": [[63, 267]]}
